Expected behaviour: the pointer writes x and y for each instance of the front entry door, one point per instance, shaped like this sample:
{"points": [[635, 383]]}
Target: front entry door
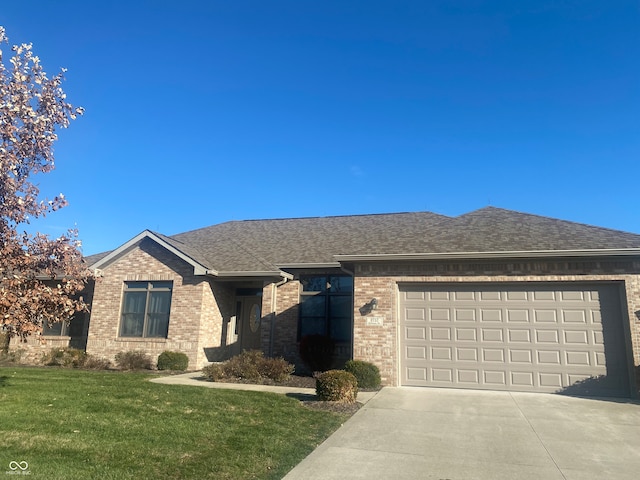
{"points": [[250, 315]]}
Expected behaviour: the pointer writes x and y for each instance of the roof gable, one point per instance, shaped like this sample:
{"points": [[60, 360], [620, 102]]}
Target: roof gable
{"points": [[169, 244]]}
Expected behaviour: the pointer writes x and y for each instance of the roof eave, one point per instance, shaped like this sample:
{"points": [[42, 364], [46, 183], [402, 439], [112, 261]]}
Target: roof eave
{"points": [[298, 266], [198, 268], [614, 252], [251, 274]]}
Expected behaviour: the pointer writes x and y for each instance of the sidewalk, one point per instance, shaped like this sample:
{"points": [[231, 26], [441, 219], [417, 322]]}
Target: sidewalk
{"points": [[195, 379]]}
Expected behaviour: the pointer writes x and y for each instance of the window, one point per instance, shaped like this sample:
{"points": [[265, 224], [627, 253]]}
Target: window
{"points": [[55, 330], [326, 306], [73, 328], [145, 309]]}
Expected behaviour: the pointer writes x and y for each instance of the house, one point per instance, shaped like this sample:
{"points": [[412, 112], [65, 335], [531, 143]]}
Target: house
{"points": [[492, 299]]}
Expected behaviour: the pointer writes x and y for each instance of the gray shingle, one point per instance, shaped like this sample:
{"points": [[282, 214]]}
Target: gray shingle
{"points": [[262, 245]]}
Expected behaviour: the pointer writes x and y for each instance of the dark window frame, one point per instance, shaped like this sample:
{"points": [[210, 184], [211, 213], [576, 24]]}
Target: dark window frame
{"points": [[149, 289], [57, 329], [314, 287]]}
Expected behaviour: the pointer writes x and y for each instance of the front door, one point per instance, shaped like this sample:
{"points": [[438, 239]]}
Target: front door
{"points": [[250, 319]]}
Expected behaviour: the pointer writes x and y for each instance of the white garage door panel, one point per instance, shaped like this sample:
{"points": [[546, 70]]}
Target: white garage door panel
{"points": [[527, 337]]}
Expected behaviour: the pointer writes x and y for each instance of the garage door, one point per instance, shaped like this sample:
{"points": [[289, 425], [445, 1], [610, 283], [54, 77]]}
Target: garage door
{"points": [[551, 337]]}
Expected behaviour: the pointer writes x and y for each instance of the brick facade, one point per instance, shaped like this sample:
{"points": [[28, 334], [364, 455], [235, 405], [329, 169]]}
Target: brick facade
{"points": [[202, 317], [379, 344], [32, 350], [34, 347], [280, 320], [198, 308]]}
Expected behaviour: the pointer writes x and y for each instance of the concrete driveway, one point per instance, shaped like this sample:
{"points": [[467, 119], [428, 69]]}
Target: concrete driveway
{"points": [[428, 433]]}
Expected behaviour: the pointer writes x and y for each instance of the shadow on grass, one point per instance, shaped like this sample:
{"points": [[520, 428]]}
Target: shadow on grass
{"points": [[303, 397], [3, 380], [313, 402]]}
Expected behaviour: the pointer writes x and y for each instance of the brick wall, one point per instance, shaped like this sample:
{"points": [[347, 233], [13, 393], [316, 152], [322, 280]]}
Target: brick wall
{"points": [[195, 318], [379, 344], [280, 318], [35, 346], [32, 350], [216, 338]]}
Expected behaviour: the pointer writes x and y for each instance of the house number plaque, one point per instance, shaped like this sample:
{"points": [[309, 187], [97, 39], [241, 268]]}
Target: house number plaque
{"points": [[375, 321]]}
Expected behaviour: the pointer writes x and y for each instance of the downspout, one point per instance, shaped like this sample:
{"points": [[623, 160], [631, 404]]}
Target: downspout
{"points": [[274, 305]]}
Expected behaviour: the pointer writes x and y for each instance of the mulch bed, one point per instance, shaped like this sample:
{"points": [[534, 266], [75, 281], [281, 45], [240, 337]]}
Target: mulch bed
{"points": [[309, 401]]}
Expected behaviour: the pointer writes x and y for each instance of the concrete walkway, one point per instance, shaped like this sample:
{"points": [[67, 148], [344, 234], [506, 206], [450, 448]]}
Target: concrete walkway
{"points": [[196, 379], [428, 433]]}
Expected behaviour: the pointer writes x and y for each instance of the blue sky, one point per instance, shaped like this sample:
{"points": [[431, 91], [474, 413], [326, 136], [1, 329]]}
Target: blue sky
{"points": [[200, 112]]}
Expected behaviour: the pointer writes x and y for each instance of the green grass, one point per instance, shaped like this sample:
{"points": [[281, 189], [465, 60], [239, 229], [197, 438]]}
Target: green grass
{"points": [[111, 425]]}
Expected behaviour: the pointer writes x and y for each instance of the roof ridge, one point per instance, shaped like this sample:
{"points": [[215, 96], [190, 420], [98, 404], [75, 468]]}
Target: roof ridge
{"points": [[547, 218], [279, 219]]}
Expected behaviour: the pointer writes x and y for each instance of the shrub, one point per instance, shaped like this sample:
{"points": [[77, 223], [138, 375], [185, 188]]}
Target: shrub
{"points": [[133, 360], [172, 361], [74, 358], [65, 357], [277, 369], [367, 374], [316, 352], [249, 365], [12, 356], [96, 363], [337, 386], [214, 372], [245, 366]]}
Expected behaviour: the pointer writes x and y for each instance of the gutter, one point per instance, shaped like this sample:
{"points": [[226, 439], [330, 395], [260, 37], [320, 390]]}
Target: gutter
{"points": [[229, 274], [617, 252], [297, 266]]}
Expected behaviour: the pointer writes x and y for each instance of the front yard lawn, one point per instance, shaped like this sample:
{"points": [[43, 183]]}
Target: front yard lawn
{"points": [[112, 425]]}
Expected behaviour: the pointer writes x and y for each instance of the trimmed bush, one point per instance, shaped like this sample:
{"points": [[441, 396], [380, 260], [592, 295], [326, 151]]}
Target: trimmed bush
{"points": [[317, 352], [367, 374], [337, 386], [168, 360], [133, 360], [250, 365]]}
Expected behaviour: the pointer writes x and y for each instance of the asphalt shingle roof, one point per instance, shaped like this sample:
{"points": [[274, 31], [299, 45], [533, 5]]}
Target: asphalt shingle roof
{"points": [[262, 245]]}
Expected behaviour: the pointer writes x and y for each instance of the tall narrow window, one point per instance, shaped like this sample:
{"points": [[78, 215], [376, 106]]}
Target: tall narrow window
{"points": [[326, 306], [145, 309]]}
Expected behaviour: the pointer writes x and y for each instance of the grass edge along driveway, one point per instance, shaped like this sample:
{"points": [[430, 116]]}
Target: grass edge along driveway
{"points": [[112, 425]]}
